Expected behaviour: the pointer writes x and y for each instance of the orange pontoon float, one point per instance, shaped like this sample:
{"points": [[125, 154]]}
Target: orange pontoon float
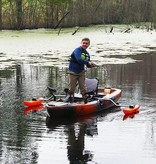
{"points": [[131, 110], [33, 102]]}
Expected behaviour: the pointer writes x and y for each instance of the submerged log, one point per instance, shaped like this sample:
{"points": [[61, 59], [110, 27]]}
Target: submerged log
{"points": [[75, 31], [111, 30], [59, 31], [127, 30]]}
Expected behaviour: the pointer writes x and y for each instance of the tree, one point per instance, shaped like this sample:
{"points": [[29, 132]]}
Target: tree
{"points": [[0, 14], [19, 14], [153, 14]]}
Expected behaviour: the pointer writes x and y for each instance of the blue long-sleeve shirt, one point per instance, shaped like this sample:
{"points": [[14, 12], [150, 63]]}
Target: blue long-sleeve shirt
{"points": [[79, 58]]}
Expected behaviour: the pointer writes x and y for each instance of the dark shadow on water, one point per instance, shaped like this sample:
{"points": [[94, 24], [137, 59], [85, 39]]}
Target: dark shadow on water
{"points": [[76, 129], [52, 123]]}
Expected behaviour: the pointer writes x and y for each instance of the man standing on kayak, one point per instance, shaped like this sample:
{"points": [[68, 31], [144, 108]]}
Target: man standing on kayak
{"points": [[78, 60]]}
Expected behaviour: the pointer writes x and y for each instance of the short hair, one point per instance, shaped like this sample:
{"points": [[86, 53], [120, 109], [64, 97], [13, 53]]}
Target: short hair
{"points": [[86, 39]]}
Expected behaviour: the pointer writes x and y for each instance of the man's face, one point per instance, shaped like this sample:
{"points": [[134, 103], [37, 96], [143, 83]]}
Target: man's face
{"points": [[85, 44]]}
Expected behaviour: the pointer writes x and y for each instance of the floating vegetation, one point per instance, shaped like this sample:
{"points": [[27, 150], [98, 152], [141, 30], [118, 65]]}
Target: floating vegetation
{"points": [[44, 48]]}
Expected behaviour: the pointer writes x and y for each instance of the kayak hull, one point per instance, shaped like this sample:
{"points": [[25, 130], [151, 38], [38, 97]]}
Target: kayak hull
{"points": [[66, 109]]}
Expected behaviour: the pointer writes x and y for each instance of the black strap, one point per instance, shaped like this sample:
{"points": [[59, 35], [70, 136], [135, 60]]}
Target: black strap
{"points": [[73, 58]]}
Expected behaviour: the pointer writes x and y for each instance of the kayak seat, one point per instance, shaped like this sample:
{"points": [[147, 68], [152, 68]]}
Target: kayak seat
{"points": [[91, 86], [91, 89], [51, 90]]}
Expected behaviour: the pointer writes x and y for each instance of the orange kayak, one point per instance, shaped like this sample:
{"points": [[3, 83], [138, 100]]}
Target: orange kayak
{"points": [[33, 102], [102, 101], [131, 110]]}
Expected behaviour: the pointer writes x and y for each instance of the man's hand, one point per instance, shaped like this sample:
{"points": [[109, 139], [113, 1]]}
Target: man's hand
{"points": [[92, 64]]}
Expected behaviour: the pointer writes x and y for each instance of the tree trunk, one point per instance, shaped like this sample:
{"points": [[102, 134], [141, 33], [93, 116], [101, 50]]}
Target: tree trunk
{"points": [[19, 14], [0, 14]]}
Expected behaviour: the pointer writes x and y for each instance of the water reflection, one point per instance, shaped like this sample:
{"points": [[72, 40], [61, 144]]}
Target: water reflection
{"points": [[150, 141], [128, 116], [76, 130], [76, 145], [24, 131], [33, 109]]}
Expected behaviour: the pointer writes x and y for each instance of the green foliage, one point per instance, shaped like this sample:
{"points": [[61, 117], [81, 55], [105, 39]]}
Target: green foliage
{"points": [[18, 14]]}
